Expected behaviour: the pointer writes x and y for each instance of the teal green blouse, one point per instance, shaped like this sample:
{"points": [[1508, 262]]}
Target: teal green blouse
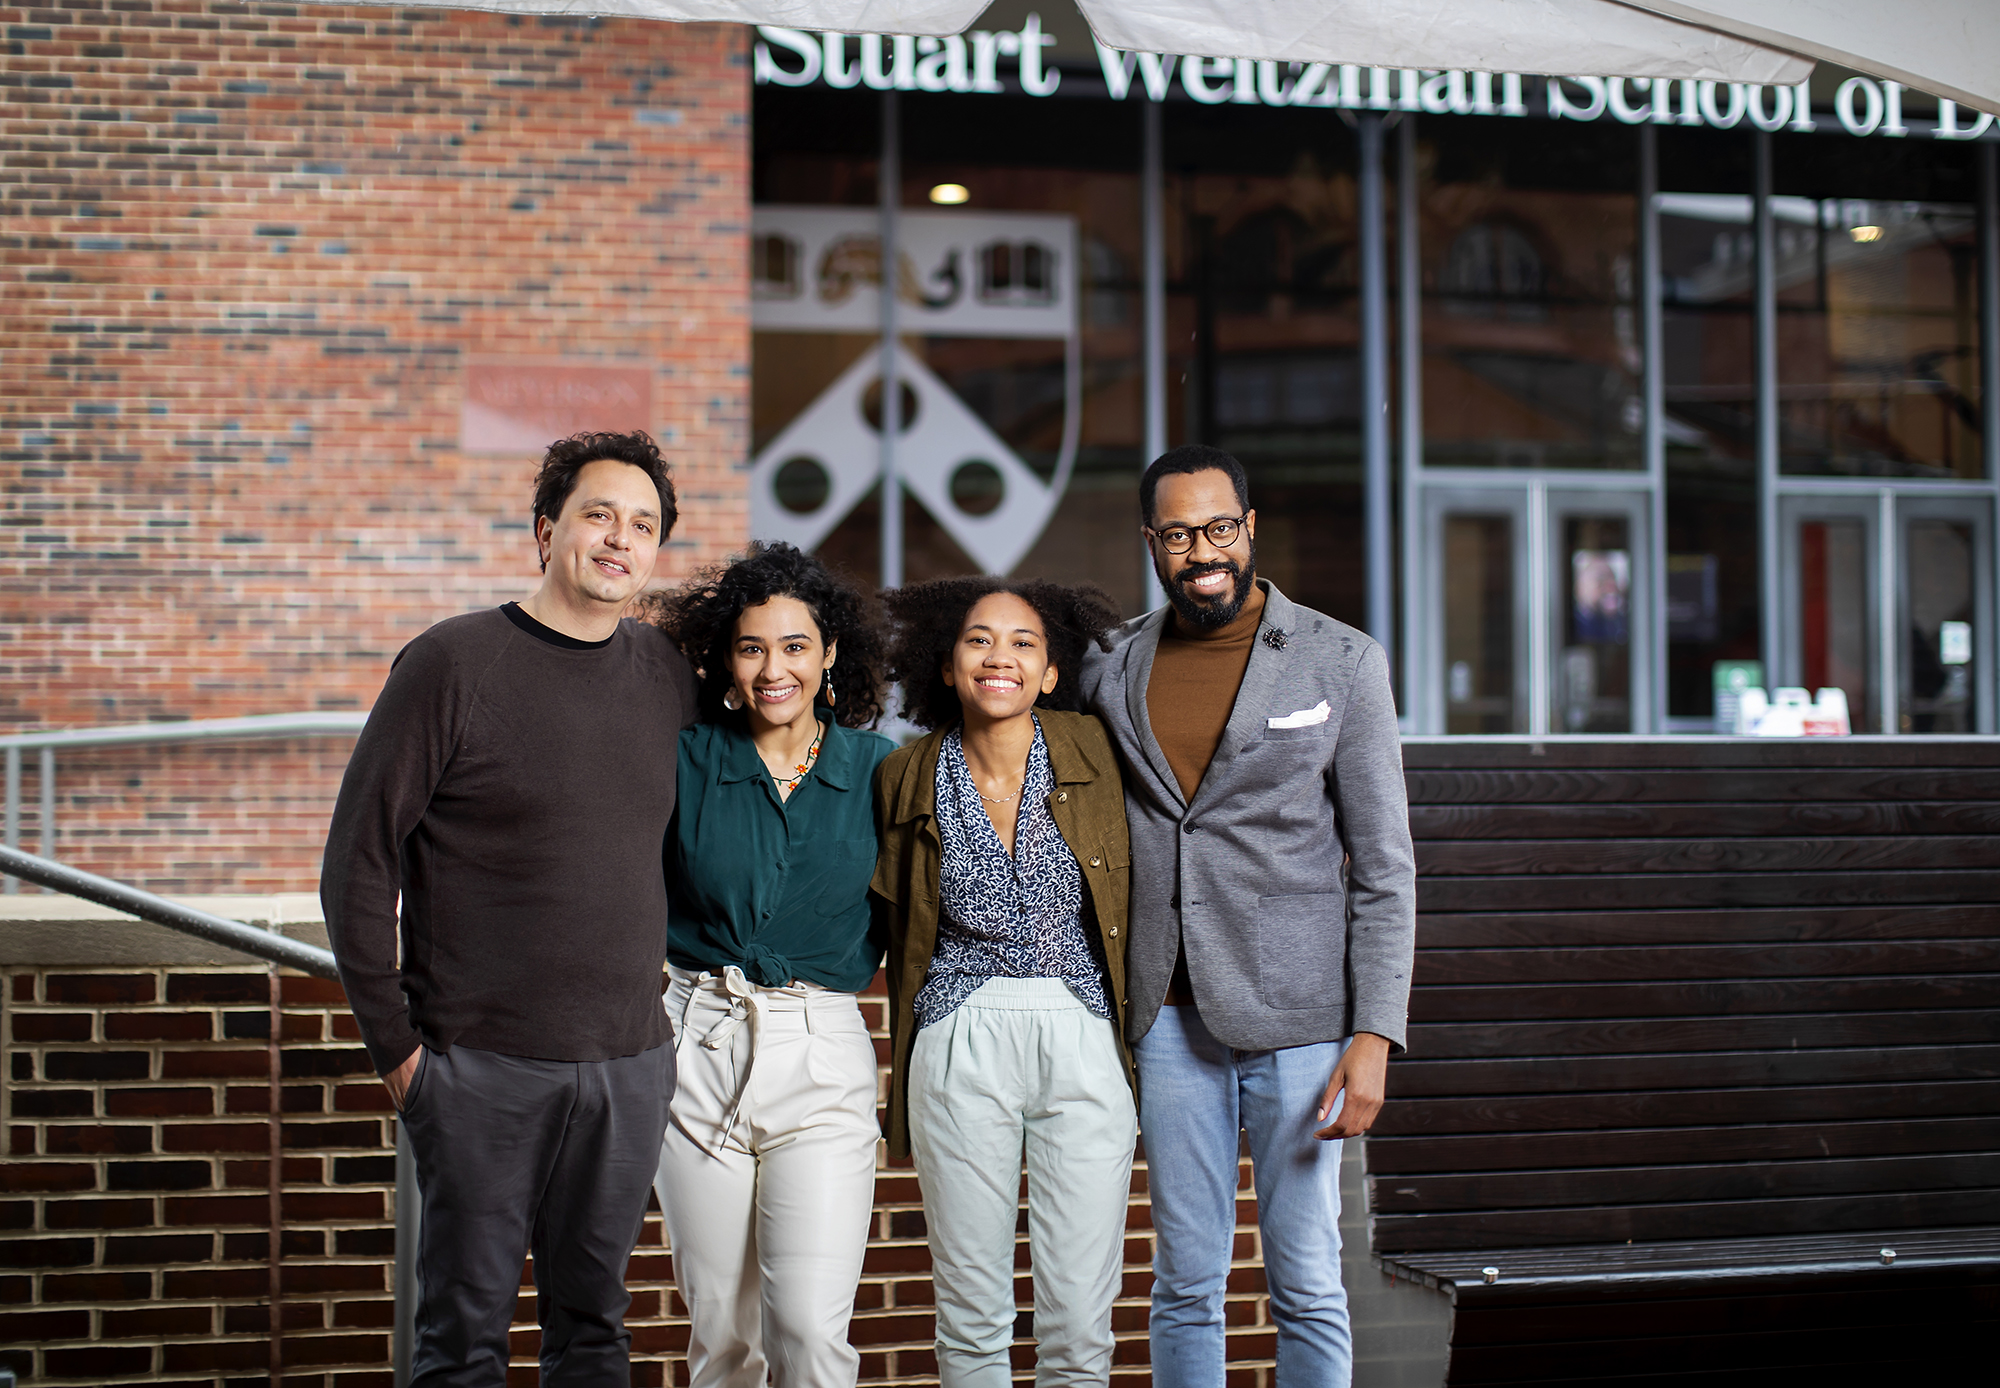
{"points": [[778, 888]]}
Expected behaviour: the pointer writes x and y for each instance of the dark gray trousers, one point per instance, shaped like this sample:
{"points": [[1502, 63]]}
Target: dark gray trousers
{"points": [[515, 1155]]}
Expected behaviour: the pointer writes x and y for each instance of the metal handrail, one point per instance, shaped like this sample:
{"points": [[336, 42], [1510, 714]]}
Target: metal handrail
{"points": [[125, 734], [194, 730], [219, 930]]}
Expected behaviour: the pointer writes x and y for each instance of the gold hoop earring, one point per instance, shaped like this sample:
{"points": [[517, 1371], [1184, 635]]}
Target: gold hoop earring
{"points": [[729, 699]]}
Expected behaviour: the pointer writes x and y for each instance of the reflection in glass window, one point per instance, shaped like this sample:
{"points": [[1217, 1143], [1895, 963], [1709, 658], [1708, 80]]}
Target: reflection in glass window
{"points": [[1263, 335], [1834, 614], [1530, 327], [1479, 647], [1708, 372], [1878, 338], [1593, 687], [1938, 645]]}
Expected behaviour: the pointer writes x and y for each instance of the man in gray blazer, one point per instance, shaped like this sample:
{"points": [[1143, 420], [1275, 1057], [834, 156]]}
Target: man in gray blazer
{"points": [[1273, 916]]}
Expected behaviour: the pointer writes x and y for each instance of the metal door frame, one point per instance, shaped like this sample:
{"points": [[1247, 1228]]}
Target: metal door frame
{"points": [[1883, 512], [1537, 503]]}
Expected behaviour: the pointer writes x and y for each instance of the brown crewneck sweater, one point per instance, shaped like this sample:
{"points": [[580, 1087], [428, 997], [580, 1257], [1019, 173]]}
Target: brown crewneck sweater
{"points": [[1189, 699], [1193, 689]]}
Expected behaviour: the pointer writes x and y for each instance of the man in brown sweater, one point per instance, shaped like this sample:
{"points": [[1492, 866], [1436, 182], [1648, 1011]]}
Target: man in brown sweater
{"points": [[1273, 917], [495, 896]]}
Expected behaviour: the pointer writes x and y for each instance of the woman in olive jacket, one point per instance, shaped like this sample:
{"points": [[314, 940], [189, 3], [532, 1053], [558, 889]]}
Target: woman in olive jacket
{"points": [[1005, 871]]}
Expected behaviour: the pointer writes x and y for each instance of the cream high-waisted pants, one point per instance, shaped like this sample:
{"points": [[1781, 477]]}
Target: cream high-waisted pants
{"points": [[1022, 1066], [767, 1177]]}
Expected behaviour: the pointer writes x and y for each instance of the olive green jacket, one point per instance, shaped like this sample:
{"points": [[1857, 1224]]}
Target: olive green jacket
{"points": [[1088, 805]]}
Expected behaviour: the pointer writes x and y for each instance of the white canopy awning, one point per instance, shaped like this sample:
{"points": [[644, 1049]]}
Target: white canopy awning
{"points": [[1950, 48]]}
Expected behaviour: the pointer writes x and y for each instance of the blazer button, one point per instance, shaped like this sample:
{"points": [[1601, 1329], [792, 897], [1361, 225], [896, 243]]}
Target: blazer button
{"points": [[1095, 861], [1187, 828], [1062, 797], [1114, 932]]}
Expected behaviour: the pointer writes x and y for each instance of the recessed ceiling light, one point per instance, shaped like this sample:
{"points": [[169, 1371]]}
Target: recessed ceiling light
{"points": [[950, 194], [1866, 233]]}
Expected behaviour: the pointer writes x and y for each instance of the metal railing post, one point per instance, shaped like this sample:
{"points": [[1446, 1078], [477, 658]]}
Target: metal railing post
{"points": [[47, 841], [13, 810]]}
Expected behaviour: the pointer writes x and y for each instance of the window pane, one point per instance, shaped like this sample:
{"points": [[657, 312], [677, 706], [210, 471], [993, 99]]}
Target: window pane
{"points": [[1593, 676], [1708, 372], [1530, 330], [1264, 331], [1833, 614], [1479, 626], [1938, 652], [1878, 338]]}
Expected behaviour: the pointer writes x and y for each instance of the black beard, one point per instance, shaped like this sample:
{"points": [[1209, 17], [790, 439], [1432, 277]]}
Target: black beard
{"points": [[1216, 614]]}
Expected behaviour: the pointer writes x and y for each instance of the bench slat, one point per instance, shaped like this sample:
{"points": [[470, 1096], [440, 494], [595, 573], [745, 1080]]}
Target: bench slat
{"points": [[1732, 786], [1679, 1073], [1503, 929], [1501, 1115], [1637, 891], [1765, 754], [1735, 1256], [1717, 1219], [1487, 1040], [1705, 820], [1652, 1185], [1637, 963], [1548, 857], [1392, 1158], [1716, 998]]}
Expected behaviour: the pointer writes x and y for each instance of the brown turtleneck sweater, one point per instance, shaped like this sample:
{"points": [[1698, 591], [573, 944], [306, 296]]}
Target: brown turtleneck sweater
{"points": [[1189, 699]]}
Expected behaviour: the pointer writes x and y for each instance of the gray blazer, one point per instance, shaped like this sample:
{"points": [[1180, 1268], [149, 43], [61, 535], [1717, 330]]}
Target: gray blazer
{"points": [[1290, 878]]}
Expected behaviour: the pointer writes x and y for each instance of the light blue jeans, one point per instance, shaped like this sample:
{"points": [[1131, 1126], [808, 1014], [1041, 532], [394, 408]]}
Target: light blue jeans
{"points": [[1195, 1096]]}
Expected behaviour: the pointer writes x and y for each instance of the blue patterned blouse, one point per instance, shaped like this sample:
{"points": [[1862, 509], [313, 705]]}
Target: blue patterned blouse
{"points": [[1002, 916]]}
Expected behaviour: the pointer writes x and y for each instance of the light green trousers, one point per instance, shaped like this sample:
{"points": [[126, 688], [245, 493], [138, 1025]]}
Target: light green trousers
{"points": [[1023, 1068]]}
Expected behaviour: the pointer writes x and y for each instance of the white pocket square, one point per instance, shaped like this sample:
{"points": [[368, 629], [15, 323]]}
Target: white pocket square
{"points": [[1304, 718]]}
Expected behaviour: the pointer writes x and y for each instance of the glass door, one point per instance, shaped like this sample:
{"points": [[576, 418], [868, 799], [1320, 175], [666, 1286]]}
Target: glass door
{"points": [[1480, 630], [1600, 663], [1944, 662], [1831, 589], [1538, 611], [1916, 660]]}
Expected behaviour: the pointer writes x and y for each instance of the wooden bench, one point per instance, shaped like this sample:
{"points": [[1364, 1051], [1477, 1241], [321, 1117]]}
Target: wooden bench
{"points": [[1700, 1028]]}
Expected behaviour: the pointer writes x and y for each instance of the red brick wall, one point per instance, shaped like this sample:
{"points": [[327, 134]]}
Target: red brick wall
{"points": [[134, 1219], [246, 254]]}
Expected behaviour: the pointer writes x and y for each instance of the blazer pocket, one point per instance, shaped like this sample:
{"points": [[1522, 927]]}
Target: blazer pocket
{"points": [[1302, 950], [1315, 732]]}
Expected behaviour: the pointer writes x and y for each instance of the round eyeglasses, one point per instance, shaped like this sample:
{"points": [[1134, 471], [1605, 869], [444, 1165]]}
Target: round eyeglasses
{"points": [[1179, 539]]}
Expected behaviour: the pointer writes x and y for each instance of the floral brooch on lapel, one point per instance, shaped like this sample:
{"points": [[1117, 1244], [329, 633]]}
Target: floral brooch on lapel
{"points": [[1274, 638]]}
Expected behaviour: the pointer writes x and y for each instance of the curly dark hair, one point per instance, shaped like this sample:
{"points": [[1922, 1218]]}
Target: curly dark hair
{"points": [[928, 617], [701, 616], [567, 457]]}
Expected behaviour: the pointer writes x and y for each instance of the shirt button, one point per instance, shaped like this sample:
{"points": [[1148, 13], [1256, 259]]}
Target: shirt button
{"points": [[1114, 932], [1095, 861], [1062, 797]]}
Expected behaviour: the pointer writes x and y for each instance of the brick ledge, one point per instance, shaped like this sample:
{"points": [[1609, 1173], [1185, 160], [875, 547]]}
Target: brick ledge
{"points": [[45, 928]]}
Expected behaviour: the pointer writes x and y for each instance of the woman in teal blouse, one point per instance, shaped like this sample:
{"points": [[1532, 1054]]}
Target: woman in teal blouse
{"points": [[767, 1171]]}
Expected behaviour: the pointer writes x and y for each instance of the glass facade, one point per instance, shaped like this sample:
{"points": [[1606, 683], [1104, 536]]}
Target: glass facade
{"points": [[1656, 406], [1529, 254]]}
